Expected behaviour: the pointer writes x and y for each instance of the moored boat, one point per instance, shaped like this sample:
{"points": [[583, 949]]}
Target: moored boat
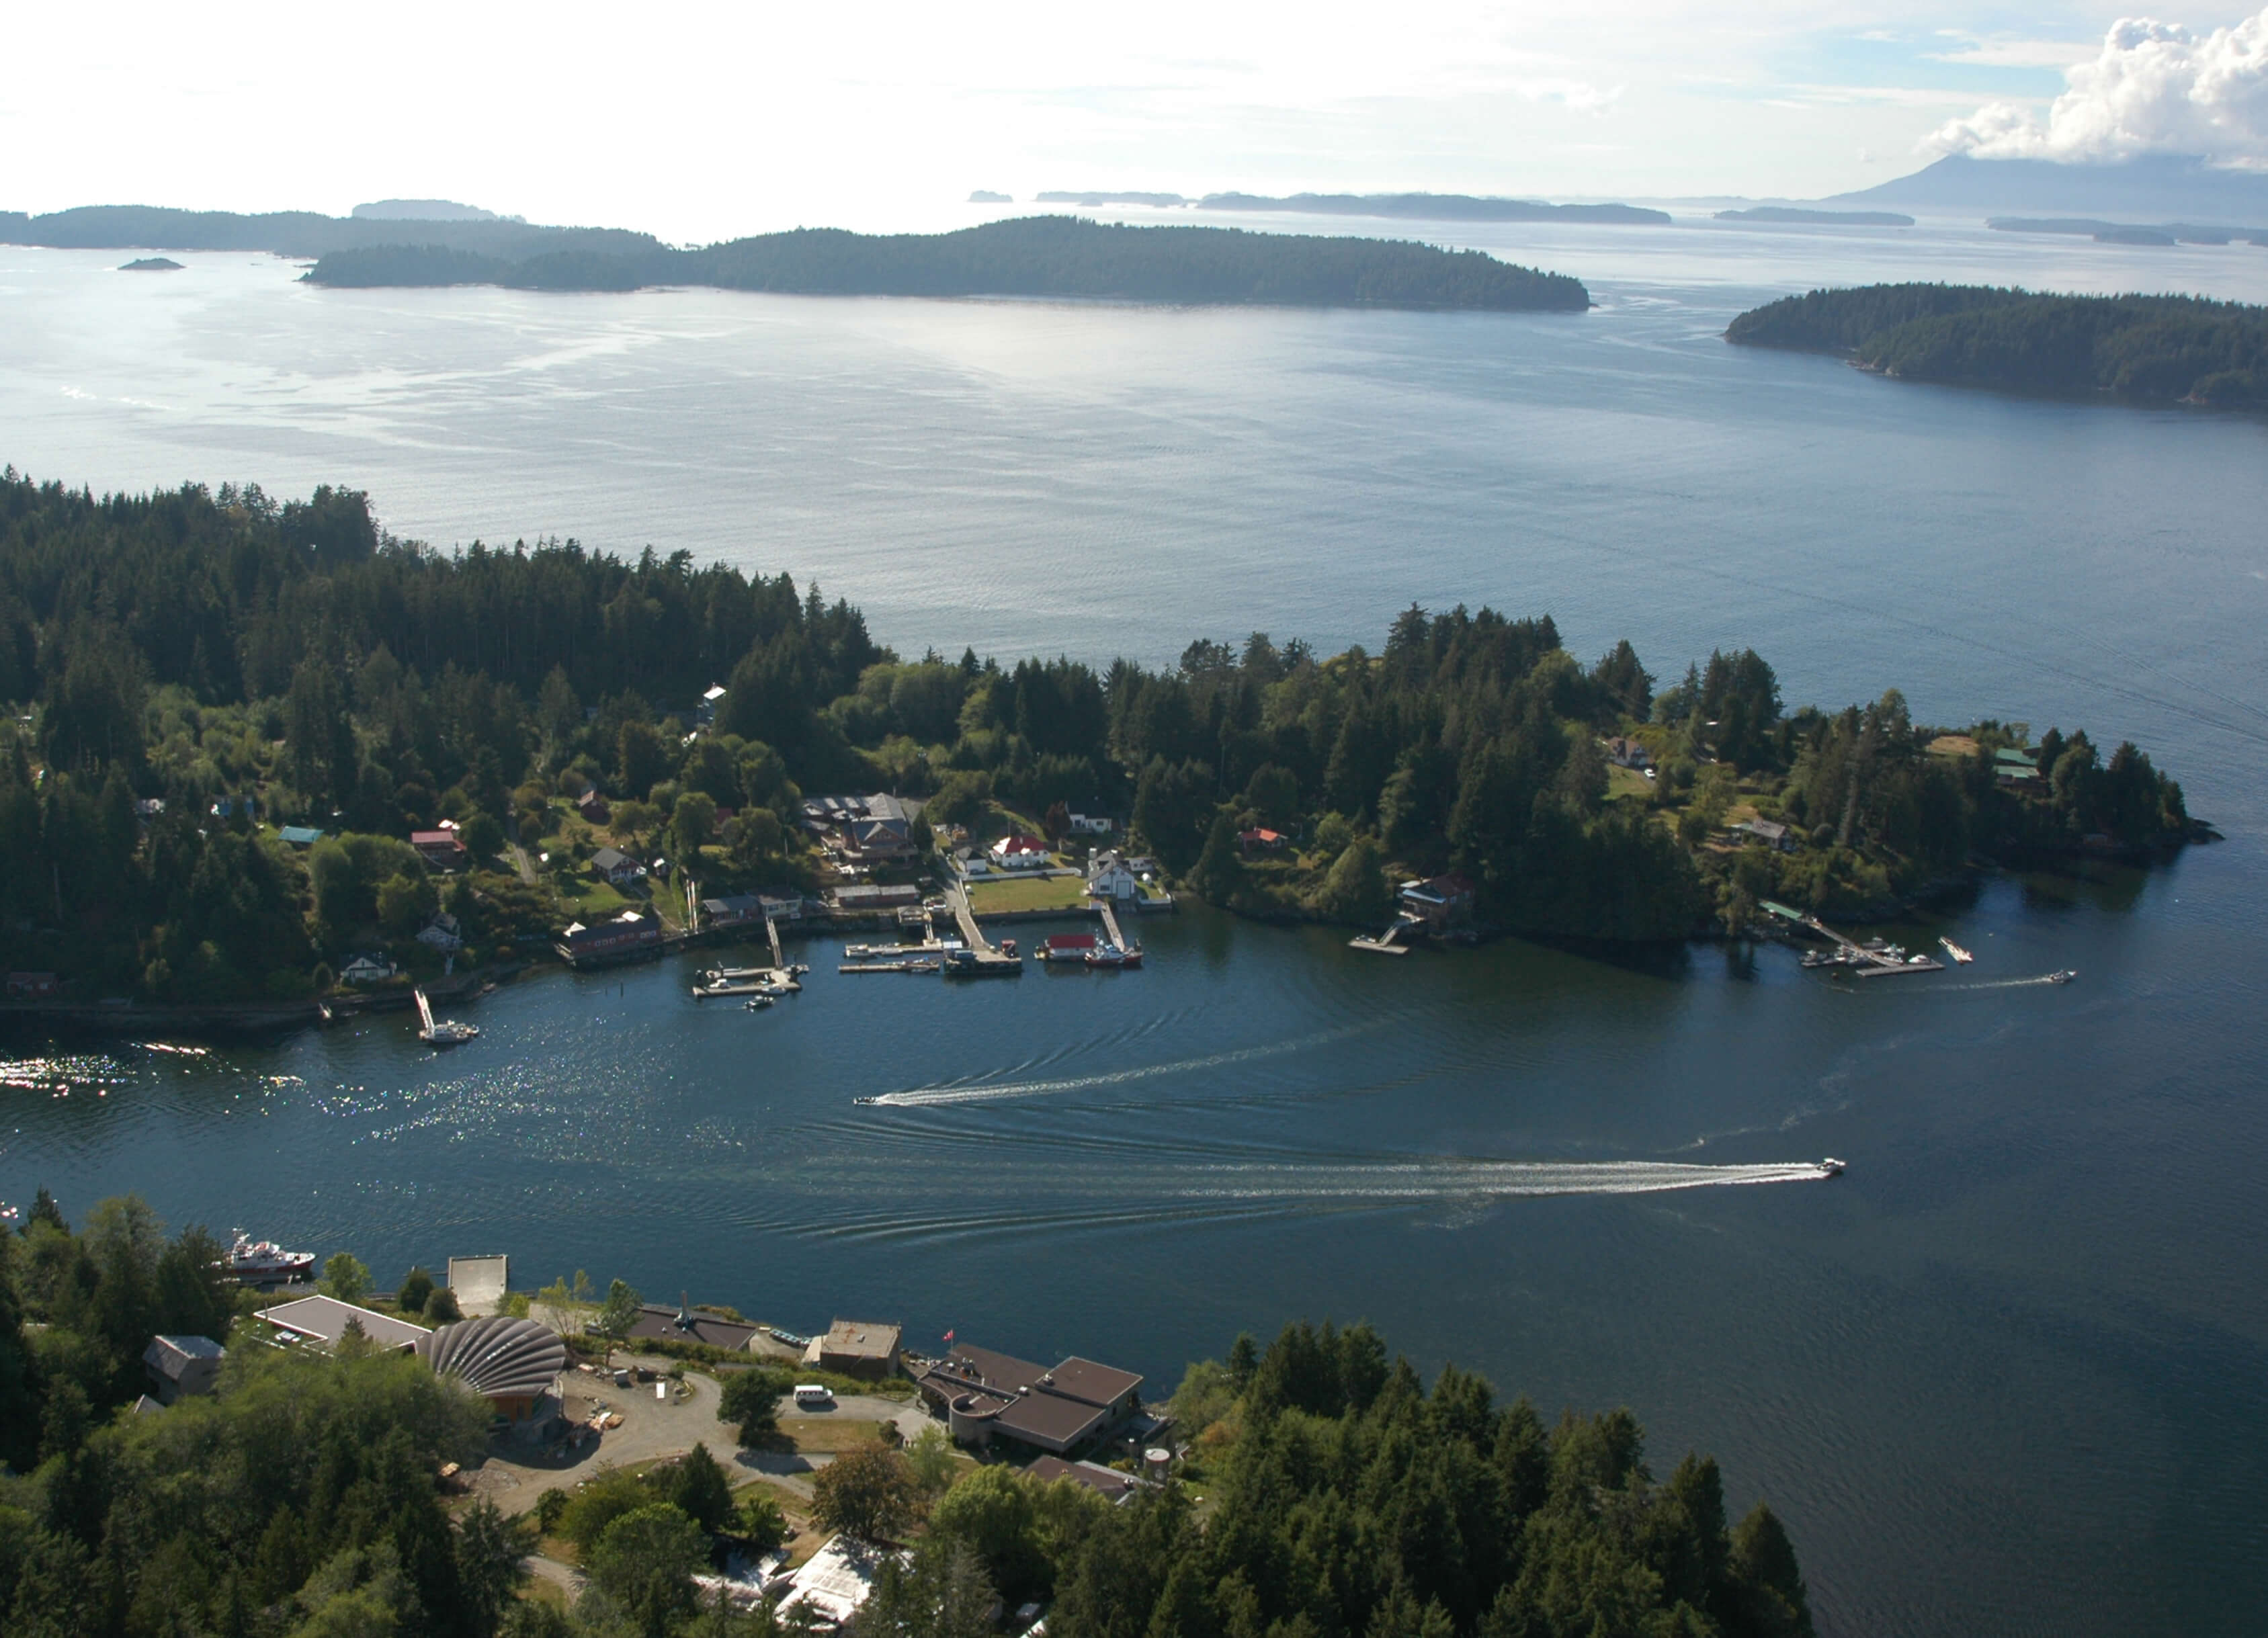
{"points": [[258, 1262], [441, 1032], [1956, 952]]}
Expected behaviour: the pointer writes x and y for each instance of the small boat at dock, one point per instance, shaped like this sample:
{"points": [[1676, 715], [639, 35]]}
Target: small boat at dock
{"points": [[1956, 952], [718, 989], [756, 1004], [441, 1032]]}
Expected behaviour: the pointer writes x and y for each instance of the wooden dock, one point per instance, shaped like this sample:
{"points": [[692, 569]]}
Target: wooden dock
{"points": [[987, 959], [1388, 942], [1851, 955], [1110, 926]]}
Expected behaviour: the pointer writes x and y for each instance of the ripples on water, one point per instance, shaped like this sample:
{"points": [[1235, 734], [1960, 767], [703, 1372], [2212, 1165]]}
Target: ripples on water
{"points": [[2000, 1377]]}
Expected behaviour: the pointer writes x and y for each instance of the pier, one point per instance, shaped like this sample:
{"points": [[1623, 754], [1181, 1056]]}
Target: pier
{"points": [[1389, 942], [1110, 925], [980, 959], [1861, 960]]}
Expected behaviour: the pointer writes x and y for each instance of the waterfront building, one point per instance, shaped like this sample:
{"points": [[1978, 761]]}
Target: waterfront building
{"points": [[627, 937], [325, 1321], [988, 1396], [860, 1348], [512, 1363]]}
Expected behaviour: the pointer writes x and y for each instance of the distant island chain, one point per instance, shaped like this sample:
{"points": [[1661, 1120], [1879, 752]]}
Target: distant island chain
{"points": [[1038, 256]]}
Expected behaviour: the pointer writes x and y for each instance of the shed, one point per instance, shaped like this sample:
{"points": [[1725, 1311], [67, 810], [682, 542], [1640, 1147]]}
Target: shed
{"points": [[180, 1366]]}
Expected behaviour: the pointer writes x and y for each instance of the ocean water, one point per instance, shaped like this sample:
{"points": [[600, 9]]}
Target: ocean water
{"points": [[2005, 1376]]}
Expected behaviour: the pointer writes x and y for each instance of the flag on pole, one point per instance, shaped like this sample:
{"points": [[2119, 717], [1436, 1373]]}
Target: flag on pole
{"points": [[948, 1336]]}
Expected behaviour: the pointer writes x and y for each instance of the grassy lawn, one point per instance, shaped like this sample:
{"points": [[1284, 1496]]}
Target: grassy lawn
{"points": [[1053, 893], [592, 897], [1628, 784], [832, 1435]]}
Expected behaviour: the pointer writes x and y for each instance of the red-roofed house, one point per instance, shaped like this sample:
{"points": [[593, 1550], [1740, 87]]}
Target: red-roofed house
{"points": [[439, 849], [1260, 841], [1020, 853]]}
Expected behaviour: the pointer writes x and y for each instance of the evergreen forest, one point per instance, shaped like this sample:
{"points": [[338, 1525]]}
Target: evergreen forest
{"points": [[195, 671], [2147, 349], [1039, 256], [1324, 1491]]}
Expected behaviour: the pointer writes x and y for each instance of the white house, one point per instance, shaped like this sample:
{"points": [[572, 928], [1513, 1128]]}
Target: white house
{"points": [[1109, 876], [1090, 824], [1020, 853], [366, 969], [616, 867]]}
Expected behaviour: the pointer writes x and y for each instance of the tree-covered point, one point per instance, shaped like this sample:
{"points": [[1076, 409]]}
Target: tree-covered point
{"points": [[177, 659], [2159, 349], [1325, 1491], [1039, 256]]}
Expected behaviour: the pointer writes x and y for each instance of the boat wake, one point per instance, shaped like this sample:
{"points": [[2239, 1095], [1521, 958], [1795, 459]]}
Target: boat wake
{"points": [[929, 1097], [2036, 981], [1445, 1180]]}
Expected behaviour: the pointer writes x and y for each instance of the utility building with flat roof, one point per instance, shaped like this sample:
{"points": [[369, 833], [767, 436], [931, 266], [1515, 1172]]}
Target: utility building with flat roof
{"points": [[858, 1348]]}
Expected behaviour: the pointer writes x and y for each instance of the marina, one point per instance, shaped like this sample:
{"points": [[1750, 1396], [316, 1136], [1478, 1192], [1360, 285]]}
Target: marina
{"points": [[1875, 957]]}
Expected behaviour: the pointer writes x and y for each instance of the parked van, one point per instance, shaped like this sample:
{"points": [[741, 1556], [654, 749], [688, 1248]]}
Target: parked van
{"points": [[811, 1395]]}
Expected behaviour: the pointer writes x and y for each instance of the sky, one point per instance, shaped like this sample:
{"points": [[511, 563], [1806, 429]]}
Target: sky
{"points": [[699, 120]]}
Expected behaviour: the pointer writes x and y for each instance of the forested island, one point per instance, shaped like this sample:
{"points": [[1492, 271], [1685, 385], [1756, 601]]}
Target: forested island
{"points": [[1322, 1488], [1796, 214], [1437, 207], [195, 672], [296, 233], [2144, 348], [1037, 256]]}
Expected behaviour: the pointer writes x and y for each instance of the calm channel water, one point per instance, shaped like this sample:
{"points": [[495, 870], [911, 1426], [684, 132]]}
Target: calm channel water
{"points": [[2007, 1375]]}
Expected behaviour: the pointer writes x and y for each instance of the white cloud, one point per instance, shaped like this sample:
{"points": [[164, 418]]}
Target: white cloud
{"points": [[2153, 88]]}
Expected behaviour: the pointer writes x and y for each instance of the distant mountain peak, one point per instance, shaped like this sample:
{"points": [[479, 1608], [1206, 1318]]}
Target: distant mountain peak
{"points": [[2153, 187], [425, 210]]}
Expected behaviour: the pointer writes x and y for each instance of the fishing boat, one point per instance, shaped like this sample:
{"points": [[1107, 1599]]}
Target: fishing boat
{"points": [[441, 1032], [1956, 952], [1113, 956], [258, 1262]]}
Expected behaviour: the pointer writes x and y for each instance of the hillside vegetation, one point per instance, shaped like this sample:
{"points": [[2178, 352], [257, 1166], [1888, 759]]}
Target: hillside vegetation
{"points": [[1059, 256], [169, 660], [2150, 349], [1326, 1492]]}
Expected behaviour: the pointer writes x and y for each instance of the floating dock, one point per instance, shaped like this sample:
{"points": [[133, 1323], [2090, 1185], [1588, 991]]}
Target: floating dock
{"points": [[1862, 960], [1388, 942]]}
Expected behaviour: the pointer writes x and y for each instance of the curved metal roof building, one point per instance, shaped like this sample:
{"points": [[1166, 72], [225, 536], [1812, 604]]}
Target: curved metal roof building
{"points": [[497, 1357]]}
